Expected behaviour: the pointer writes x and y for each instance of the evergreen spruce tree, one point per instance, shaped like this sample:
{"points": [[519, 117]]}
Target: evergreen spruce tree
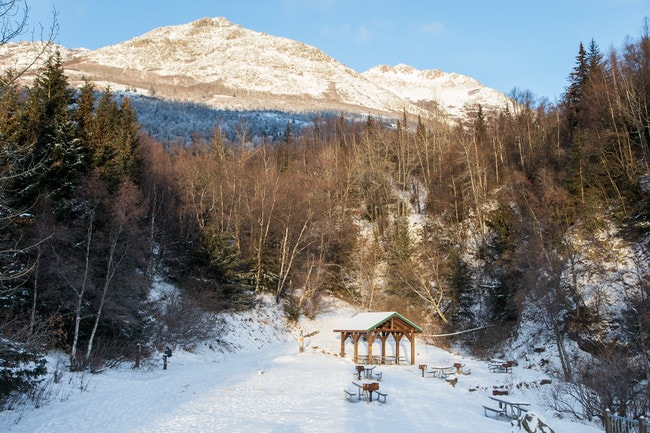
{"points": [[460, 282], [12, 140], [574, 106], [128, 151], [114, 140], [574, 93], [85, 116], [56, 157], [13, 150], [104, 133], [222, 263]]}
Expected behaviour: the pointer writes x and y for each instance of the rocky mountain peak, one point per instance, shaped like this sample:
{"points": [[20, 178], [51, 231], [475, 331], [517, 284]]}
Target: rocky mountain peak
{"points": [[224, 65]]}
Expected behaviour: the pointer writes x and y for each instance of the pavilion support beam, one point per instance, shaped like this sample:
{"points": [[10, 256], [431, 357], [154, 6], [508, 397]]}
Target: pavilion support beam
{"points": [[383, 337], [344, 337], [371, 339], [397, 336], [355, 338], [411, 337]]}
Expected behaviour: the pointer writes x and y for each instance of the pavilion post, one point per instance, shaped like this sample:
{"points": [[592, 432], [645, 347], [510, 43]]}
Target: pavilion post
{"points": [[397, 337], [412, 338], [383, 338], [344, 336], [371, 339]]}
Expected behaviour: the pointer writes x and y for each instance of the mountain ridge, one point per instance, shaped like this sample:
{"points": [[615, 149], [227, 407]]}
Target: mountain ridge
{"points": [[224, 65]]}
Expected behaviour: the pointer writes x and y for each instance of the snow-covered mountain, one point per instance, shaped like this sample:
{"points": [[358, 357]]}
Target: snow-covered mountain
{"points": [[224, 65], [451, 91]]}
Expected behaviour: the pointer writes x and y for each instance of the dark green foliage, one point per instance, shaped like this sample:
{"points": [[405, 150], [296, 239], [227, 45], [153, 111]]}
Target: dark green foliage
{"points": [[501, 266], [55, 159], [21, 369], [221, 263], [48, 157], [461, 288], [401, 249], [112, 139], [400, 261], [501, 297]]}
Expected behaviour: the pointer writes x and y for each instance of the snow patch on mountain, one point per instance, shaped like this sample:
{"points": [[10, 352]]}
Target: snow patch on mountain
{"points": [[453, 92], [232, 60], [223, 65]]}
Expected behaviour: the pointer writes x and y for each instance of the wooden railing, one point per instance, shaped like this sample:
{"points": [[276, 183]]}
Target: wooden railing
{"points": [[619, 424]]}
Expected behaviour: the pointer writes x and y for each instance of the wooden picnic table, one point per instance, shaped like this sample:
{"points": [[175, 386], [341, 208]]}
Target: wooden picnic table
{"points": [[366, 389], [500, 366], [511, 409], [364, 370], [367, 371], [440, 372]]}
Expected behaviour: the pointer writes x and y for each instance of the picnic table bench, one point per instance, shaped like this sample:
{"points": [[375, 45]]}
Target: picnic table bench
{"points": [[349, 395], [497, 412], [507, 408], [381, 396]]}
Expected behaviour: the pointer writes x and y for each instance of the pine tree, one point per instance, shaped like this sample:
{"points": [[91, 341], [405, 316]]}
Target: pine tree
{"points": [[575, 90], [85, 116], [594, 59], [56, 158], [103, 134], [12, 150], [575, 115], [128, 154], [12, 138], [114, 140], [460, 282]]}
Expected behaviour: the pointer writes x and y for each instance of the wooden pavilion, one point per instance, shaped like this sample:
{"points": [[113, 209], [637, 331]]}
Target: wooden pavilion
{"points": [[378, 326]]}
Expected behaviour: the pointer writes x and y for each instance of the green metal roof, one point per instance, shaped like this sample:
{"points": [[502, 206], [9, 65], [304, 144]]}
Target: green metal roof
{"points": [[369, 321]]}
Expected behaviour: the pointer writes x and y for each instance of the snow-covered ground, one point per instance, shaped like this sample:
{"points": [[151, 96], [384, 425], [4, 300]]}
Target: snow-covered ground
{"points": [[265, 384]]}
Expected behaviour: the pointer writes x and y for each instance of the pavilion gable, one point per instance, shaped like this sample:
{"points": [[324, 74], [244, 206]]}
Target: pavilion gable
{"points": [[374, 320]]}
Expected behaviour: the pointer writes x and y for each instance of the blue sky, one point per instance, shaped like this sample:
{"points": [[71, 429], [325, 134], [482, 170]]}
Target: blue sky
{"points": [[504, 44]]}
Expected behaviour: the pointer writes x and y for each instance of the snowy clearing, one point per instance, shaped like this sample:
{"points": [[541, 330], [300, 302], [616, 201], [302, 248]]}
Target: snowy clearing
{"points": [[267, 385]]}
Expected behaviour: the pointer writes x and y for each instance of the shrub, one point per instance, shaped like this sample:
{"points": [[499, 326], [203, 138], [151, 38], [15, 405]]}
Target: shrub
{"points": [[21, 369]]}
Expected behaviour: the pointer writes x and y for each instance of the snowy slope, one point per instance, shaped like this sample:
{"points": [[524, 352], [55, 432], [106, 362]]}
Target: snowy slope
{"points": [[451, 91], [267, 385], [228, 59], [224, 65]]}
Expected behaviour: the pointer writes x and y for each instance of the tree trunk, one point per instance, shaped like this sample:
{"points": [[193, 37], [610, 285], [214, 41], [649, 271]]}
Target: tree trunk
{"points": [[81, 292], [564, 360], [111, 266]]}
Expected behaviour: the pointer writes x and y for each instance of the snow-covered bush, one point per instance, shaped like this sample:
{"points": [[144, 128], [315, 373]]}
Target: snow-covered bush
{"points": [[21, 370]]}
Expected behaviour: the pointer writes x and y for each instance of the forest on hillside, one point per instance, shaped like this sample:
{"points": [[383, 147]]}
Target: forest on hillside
{"points": [[461, 224]]}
